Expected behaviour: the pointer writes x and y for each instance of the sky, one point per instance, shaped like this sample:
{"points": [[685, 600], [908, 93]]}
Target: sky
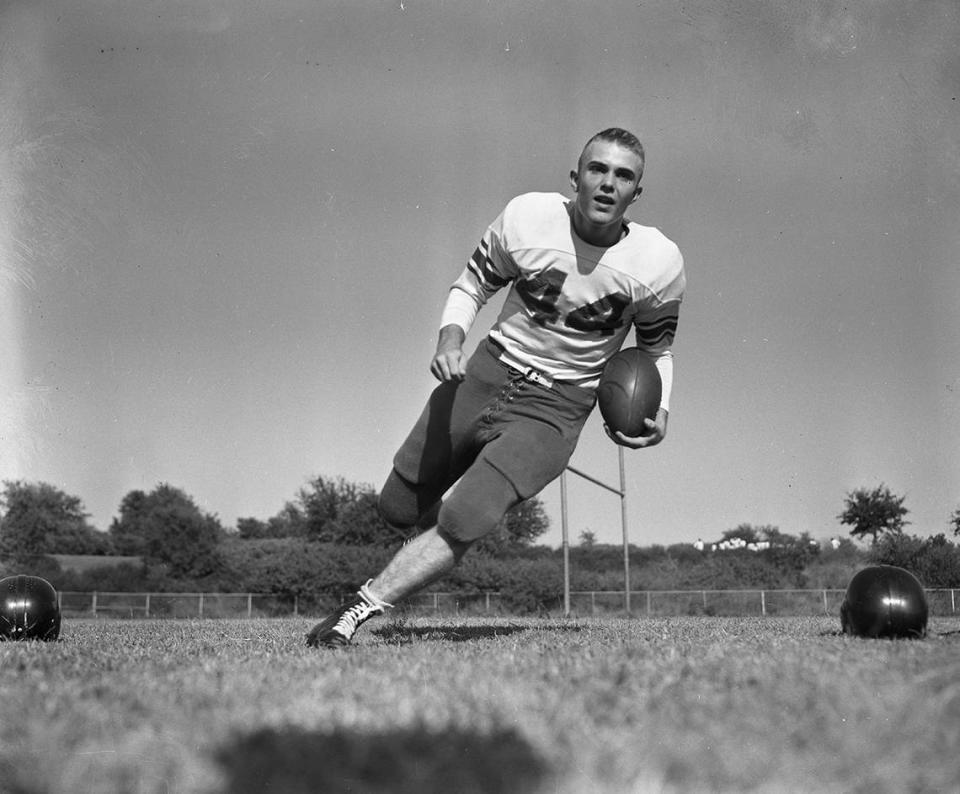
{"points": [[227, 230]]}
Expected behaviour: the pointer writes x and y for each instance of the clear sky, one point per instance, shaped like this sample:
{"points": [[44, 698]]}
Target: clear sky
{"points": [[227, 229]]}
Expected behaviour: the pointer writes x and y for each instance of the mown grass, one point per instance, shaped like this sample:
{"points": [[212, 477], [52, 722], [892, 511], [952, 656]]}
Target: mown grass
{"points": [[481, 705]]}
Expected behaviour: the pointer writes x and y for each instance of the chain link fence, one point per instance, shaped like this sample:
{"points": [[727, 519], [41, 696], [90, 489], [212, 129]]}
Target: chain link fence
{"points": [[736, 603], [659, 603], [176, 605]]}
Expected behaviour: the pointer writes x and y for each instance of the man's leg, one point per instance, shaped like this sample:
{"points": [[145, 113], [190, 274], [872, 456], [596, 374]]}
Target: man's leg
{"points": [[428, 557], [523, 449], [478, 502]]}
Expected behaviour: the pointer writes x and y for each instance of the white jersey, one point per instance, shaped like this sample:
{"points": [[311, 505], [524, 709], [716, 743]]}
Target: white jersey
{"points": [[571, 304]]}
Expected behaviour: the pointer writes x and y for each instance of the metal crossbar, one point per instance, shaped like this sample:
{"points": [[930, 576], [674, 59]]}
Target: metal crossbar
{"points": [[620, 492]]}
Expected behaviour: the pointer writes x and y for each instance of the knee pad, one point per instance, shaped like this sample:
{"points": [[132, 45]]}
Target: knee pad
{"points": [[478, 503], [398, 502], [401, 504]]}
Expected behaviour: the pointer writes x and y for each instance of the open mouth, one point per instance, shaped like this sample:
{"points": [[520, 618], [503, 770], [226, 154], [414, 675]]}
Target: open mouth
{"points": [[605, 200]]}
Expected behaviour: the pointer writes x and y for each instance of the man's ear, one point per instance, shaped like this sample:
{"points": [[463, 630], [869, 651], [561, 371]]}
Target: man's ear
{"points": [[636, 193], [574, 181]]}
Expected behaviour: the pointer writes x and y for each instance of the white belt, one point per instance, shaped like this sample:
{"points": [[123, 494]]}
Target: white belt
{"points": [[535, 376]]}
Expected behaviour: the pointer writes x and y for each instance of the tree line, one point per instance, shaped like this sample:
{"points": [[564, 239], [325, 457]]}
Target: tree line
{"points": [[329, 537]]}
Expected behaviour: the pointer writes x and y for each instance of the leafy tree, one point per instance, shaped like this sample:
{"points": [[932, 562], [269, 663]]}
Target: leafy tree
{"points": [[317, 505], [745, 532], [279, 526], [874, 512], [288, 523], [358, 522], [165, 526], [774, 536], [252, 529], [588, 539], [955, 521], [127, 530], [39, 518], [329, 511]]}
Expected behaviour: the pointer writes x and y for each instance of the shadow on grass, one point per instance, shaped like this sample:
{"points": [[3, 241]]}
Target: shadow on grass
{"points": [[400, 632], [929, 635], [293, 760], [13, 780]]}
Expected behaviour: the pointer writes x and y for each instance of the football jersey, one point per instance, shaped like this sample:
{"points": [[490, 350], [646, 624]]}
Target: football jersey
{"points": [[570, 304]]}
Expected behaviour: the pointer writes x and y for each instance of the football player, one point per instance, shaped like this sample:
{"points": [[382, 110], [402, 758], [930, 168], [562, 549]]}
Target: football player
{"points": [[504, 422]]}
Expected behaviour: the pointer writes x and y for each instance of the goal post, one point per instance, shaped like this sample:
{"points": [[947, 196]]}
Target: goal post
{"points": [[565, 529]]}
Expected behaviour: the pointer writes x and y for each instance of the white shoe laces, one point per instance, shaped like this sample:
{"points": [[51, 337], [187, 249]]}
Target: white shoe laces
{"points": [[368, 606], [353, 617]]}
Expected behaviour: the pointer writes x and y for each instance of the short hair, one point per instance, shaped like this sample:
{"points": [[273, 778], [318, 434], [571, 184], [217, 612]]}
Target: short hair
{"points": [[620, 136]]}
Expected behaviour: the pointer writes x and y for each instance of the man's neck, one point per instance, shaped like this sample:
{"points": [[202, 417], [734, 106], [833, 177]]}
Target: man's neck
{"points": [[600, 236]]}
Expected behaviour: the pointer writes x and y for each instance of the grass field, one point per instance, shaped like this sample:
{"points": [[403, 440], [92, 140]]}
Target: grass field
{"points": [[481, 705]]}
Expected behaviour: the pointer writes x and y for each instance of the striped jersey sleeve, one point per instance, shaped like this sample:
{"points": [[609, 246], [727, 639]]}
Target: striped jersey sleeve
{"points": [[489, 269], [656, 329]]}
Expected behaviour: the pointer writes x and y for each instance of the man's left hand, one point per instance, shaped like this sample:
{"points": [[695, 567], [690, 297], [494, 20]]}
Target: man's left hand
{"points": [[656, 431]]}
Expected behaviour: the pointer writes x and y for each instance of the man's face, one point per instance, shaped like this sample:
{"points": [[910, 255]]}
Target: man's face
{"points": [[606, 182]]}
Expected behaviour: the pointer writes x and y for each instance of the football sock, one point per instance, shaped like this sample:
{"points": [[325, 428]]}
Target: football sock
{"points": [[371, 599]]}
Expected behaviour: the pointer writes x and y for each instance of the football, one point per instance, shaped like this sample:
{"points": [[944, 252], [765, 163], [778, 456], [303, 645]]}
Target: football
{"points": [[884, 601], [629, 391]]}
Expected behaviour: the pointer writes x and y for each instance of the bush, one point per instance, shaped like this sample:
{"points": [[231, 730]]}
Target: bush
{"points": [[526, 585], [934, 561], [32, 565], [318, 573]]}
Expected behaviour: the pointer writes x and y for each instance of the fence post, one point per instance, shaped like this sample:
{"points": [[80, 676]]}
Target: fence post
{"points": [[200, 605], [296, 604], [953, 603], [93, 604], [648, 602], [763, 603], [825, 608], [146, 605]]}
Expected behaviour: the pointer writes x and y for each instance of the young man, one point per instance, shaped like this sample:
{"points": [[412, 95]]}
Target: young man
{"points": [[503, 424]]}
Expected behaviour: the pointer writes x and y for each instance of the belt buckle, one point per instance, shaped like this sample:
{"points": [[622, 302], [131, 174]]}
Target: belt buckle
{"points": [[534, 376]]}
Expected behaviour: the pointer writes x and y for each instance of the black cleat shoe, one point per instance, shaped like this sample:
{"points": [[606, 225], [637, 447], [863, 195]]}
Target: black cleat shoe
{"points": [[338, 629]]}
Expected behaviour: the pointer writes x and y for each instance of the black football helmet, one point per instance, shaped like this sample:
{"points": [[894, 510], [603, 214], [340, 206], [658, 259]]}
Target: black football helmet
{"points": [[29, 609], [884, 601]]}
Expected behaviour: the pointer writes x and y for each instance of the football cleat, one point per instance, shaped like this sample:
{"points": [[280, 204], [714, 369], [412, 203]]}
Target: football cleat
{"points": [[29, 609], [338, 629]]}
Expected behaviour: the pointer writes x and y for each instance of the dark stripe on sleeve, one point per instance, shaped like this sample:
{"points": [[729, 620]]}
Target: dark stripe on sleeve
{"points": [[482, 268], [657, 330]]}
